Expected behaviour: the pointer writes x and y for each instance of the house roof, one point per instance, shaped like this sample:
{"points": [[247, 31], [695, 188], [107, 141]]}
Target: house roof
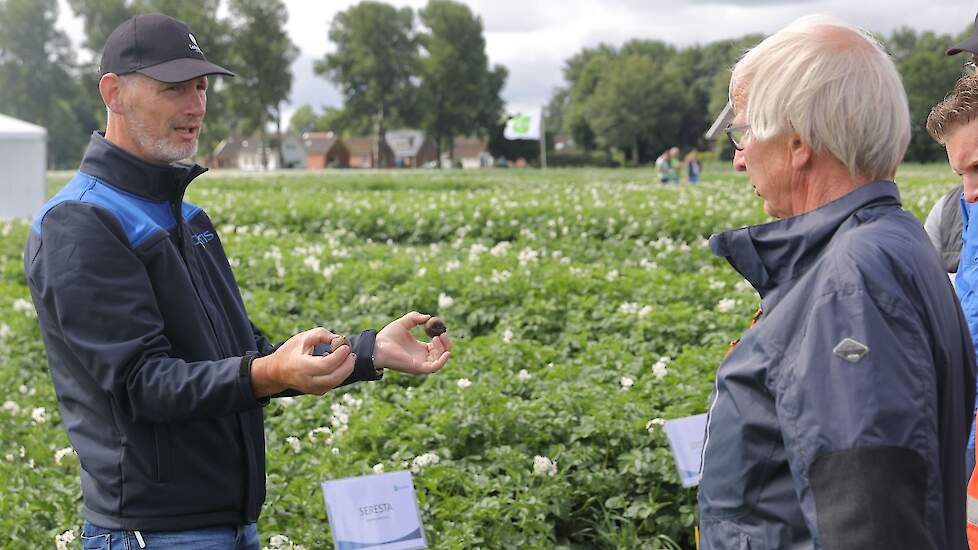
{"points": [[13, 128], [319, 143], [233, 146], [405, 143], [227, 149], [250, 145], [361, 146], [468, 147]]}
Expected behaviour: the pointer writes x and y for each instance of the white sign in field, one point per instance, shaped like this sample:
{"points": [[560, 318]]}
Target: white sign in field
{"points": [[686, 439], [376, 512]]}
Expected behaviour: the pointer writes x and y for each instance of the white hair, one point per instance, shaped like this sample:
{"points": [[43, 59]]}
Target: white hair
{"points": [[833, 85]]}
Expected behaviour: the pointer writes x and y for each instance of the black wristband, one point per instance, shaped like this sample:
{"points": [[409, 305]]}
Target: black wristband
{"points": [[244, 376], [364, 368]]}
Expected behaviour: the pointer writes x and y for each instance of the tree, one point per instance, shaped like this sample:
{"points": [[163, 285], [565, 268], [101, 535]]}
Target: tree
{"points": [[901, 43], [927, 76], [656, 50], [337, 120], [36, 80], [575, 64], [459, 91], [581, 72], [577, 117], [305, 119], [636, 105], [705, 73], [263, 54], [556, 108], [100, 18], [720, 58], [375, 64]]}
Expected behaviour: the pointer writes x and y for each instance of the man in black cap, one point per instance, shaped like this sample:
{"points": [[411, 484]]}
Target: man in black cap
{"points": [[156, 60], [160, 375]]}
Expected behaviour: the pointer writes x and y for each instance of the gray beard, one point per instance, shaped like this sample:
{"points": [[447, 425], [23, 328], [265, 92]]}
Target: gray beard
{"points": [[159, 150]]}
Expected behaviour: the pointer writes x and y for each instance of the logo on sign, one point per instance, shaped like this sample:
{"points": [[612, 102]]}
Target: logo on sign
{"points": [[521, 124]]}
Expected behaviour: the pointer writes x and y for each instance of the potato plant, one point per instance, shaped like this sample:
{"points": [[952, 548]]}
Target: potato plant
{"points": [[584, 307]]}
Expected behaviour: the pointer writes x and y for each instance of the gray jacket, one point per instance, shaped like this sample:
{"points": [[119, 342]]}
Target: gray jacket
{"points": [[944, 227], [840, 419]]}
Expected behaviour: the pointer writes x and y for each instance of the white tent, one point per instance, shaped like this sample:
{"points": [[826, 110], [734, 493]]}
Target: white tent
{"points": [[23, 156]]}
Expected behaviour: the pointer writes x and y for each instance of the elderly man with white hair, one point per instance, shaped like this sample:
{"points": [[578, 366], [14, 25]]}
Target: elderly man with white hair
{"points": [[840, 418]]}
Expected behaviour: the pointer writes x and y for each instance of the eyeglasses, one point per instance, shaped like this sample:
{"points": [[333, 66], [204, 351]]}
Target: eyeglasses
{"points": [[736, 135]]}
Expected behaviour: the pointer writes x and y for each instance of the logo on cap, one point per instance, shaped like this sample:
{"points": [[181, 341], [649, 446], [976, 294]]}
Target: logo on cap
{"points": [[193, 45]]}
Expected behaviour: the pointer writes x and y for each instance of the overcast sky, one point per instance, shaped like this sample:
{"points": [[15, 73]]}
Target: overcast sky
{"points": [[532, 38]]}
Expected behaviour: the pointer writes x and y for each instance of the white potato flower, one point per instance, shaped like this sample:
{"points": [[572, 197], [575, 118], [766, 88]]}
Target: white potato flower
{"points": [[60, 454], [544, 466], [726, 305], [651, 425], [421, 461], [61, 541]]}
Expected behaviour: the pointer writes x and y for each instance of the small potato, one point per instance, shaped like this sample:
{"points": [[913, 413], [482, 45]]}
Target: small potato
{"points": [[338, 341], [434, 327]]}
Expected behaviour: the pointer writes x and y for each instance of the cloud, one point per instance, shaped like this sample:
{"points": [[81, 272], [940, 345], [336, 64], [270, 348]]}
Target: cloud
{"points": [[308, 88]]}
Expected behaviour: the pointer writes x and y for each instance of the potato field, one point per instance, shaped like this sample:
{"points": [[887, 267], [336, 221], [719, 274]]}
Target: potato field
{"points": [[584, 306]]}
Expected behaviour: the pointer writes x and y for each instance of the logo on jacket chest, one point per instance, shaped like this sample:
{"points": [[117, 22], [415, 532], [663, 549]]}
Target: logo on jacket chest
{"points": [[203, 238]]}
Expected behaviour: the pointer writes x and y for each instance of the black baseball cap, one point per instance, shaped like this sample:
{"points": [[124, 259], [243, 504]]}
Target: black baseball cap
{"points": [[968, 45], [157, 46]]}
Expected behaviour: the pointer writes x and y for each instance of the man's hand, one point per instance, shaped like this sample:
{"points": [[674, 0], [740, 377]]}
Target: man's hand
{"points": [[397, 349], [292, 366]]}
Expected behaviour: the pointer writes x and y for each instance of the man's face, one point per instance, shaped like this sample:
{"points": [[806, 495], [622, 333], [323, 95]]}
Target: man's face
{"points": [[768, 167], [163, 120], [962, 155]]}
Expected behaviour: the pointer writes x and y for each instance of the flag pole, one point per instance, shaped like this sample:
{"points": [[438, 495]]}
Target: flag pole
{"points": [[543, 139]]}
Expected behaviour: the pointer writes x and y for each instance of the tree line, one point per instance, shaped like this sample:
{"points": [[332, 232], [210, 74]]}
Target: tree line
{"points": [[645, 96], [396, 67], [390, 72]]}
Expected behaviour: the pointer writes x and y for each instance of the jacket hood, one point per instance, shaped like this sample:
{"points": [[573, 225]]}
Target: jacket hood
{"points": [[116, 166], [772, 253]]}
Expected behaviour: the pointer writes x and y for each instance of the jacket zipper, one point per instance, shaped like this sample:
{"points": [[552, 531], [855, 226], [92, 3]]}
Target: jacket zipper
{"points": [[709, 417], [178, 216]]}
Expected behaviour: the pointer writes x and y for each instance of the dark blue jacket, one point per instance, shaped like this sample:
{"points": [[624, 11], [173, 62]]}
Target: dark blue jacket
{"points": [[150, 347], [840, 419]]}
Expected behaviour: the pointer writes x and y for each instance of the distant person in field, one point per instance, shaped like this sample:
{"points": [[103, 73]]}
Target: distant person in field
{"points": [[954, 123], [693, 167], [840, 418], [160, 374], [667, 166]]}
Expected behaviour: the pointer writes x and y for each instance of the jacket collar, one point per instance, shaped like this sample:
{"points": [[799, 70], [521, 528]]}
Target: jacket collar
{"points": [[770, 254], [116, 166]]}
